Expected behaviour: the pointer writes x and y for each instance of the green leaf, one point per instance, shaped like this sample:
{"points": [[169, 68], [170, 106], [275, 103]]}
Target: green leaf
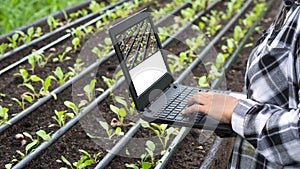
{"points": [[146, 165], [122, 112], [131, 166], [114, 108], [66, 161], [43, 135], [104, 125], [145, 124], [150, 145], [35, 78], [28, 135], [31, 145]]}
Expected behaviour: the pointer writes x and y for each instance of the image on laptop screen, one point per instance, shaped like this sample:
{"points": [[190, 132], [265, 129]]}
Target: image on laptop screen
{"points": [[142, 55]]}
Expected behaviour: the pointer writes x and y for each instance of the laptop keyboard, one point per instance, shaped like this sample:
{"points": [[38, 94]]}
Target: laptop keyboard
{"points": [[172, 109]]}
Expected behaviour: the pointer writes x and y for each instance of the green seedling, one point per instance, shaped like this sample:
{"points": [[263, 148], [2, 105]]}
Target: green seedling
{"points": [[41, 134], [3, 48], [203, 82], [38, 58], [120, 112], [52, 23], [72, 106], [11, 163], [14, 40], [25, 97], [3, 115], [86, 160], [231, 45], [60, 117], [161, 131], [89, 89], [77, 67], [24, 74], [60, 75], [95, 6], [31, 33], [122, 101], [188, 13], [109, 82], [75, 15], [109, 132], [62, 57], [76, 42], [145, 163]]}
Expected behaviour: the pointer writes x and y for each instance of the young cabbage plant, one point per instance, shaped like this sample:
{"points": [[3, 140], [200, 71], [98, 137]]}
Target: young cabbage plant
{"points": [[76, 43], [145, 162], [120, 112], [161, 131], [41, 137], [52, 23], [60, 118], [110, 133], [61, 77], [62, 57], [72, 106], [24, 74], [3, 47], [3, 115], [89, 89], [29, 97], [14, 40], [86, 160]]}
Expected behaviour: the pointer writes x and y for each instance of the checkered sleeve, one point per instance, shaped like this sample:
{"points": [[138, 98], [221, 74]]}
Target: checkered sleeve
{"points": [[273, 131]]}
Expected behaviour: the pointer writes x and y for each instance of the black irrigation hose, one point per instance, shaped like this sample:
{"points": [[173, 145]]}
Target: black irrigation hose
{"points": [[43, 100], [60, 29], [72, 122], [215, 147], [184, 130], [53, 43]]}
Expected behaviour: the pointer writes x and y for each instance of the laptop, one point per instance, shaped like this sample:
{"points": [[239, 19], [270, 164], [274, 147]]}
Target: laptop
{"points": [[151, 84]]}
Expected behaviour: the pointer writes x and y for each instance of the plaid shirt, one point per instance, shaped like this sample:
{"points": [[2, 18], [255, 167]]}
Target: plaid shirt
{"points": [[268, 122]]}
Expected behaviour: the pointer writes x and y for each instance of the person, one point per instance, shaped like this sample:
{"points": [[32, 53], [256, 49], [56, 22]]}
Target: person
{"points": [[267, 122]]}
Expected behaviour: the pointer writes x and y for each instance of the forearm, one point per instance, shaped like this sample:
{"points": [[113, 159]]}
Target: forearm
{"points": [[273, 131]]}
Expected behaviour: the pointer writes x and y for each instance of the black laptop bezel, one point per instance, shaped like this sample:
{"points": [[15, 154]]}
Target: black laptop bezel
{"points": [[163, 83]]}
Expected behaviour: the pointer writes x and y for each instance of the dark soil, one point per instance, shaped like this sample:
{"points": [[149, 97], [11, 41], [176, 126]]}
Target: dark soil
{"points": [[190, 153]]}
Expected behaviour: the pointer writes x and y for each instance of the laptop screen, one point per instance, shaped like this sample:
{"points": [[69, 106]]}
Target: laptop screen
{"points": [[141, 55]]}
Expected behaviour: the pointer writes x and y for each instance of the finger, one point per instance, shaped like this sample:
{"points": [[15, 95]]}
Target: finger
{"points": [[199, 98], [194, 108]]}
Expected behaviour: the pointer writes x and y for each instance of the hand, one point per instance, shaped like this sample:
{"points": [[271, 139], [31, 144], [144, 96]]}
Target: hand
{"points": [[218, 106]]}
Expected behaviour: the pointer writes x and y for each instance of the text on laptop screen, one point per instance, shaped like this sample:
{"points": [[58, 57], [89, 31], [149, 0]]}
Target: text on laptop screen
{"points": [[142, 55]]}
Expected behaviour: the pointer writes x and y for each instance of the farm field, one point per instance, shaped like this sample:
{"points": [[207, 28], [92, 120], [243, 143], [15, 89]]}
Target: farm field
{"points": [[65, 104]]}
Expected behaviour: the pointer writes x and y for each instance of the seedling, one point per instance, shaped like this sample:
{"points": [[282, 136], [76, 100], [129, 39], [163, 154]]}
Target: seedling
{"points": [[41, 134], [145, 163], [95, 6], [188, 13], [31, 33], [3, 48], [120, 112], [109, 132], [162, 132], [85, 160], [121, 100], [24, 74], [72, 106], [25, 97], [60, 118], [62, 57], [76, 42], [82, 12], [14, 40], [3, 115], [203, 82], [89, 89], [53, 23], [38, 58], [60, 75]]}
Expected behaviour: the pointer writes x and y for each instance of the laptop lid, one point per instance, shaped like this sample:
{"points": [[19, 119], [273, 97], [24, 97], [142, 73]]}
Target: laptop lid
{"points": [[138, 49]]}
